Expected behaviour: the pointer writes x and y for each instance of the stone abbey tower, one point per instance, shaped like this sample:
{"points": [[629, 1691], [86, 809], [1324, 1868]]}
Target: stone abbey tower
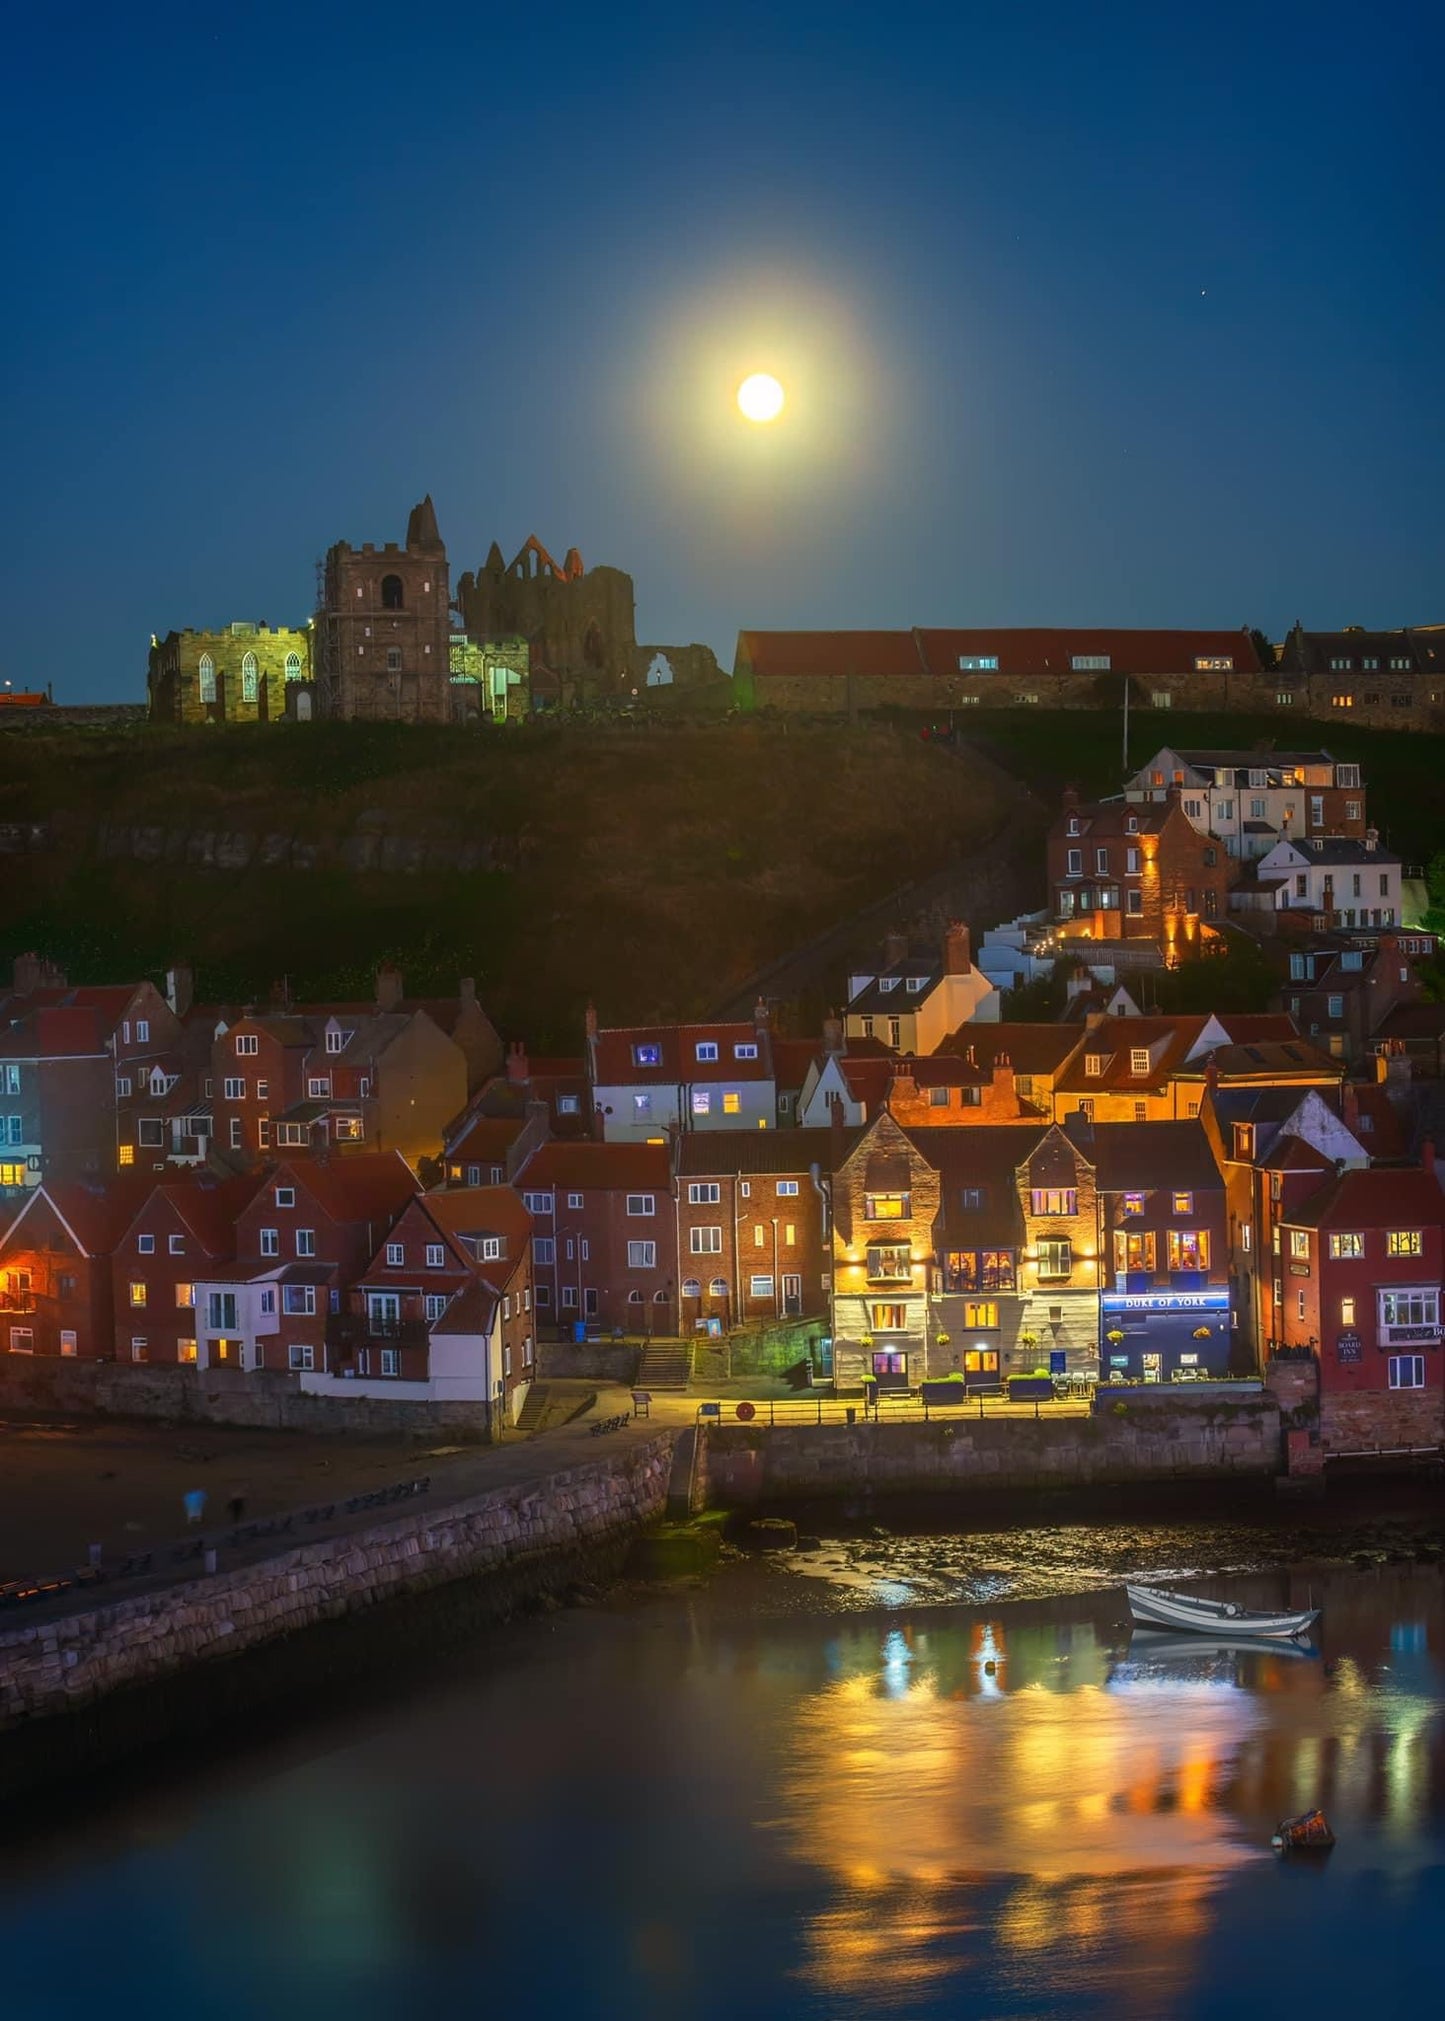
{"points": [[383, 628], [579, 622]]}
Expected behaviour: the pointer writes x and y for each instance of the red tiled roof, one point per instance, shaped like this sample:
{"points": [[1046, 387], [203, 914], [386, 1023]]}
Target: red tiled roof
{"points": [[490, 1210], [208, 1208], [54, 1034], [677, 1048], [792, 1059], [839, 653], [371, 1186], [1378, 1196], [627, 1168], [1020, 651], [97, 1213], [486, 1140]]}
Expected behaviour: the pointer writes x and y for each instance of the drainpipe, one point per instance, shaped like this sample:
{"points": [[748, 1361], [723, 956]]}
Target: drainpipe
{"points": [[777, 1292]]}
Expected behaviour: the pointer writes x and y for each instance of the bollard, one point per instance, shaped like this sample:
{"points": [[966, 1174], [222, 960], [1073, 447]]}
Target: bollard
{"points": [[850, 1416]]}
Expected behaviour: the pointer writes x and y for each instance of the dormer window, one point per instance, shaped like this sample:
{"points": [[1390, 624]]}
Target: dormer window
{"points": [[1139, 1060], [1133, 1203], [917, 983], [337, 1040], [707, 1049], [888, 982], [1074, 824], [745, 1052], [647, 1056], [1131, 825], [1244, 1140], [1094, 1064]]}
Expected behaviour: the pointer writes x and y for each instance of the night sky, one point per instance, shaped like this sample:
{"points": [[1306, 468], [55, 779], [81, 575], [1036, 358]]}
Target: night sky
{"points": [[1087, 313]]}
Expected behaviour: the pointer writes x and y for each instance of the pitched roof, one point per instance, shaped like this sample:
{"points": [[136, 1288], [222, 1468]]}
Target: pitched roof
{"points": [[677, 1060], [1031, 1048], [1144, 1157], [65, 1032], [982, 1163], [208, 1208], [486, 1140], [369, 1186], [791, 1060], [481, 1210], [584, 1167], [1375, 1196], [1018, 651], [97, 1212], [722, 1153]]}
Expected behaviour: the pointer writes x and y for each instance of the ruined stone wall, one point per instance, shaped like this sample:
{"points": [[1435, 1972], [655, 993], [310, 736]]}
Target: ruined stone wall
{"points": [[58, 1666], [741, 1465]]}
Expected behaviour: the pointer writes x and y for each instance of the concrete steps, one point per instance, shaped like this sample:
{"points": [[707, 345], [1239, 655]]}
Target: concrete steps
{"points": [[665, 1365]]}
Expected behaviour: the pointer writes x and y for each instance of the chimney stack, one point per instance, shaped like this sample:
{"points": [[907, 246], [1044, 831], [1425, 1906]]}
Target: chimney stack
{"points": [[590, 1021], [833, 1037], [33, 972], [957, 953], [1070, 797], [518, 1067], [895, 949], [467, 990], [1372, 839], [389, 987], [180, 987], [835, 1131], [762, 1016]]}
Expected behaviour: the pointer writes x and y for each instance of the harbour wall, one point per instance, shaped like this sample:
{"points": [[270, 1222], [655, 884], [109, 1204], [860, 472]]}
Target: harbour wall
{"points": [[740, 1466], [511, 1546], [251, 1399]]}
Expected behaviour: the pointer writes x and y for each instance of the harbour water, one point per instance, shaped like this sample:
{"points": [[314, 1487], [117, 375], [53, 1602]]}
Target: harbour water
{"points": [[791, 1792]]}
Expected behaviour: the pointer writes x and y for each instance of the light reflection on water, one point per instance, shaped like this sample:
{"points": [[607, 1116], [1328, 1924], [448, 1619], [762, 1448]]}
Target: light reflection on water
{"points": [[681, 1809]]}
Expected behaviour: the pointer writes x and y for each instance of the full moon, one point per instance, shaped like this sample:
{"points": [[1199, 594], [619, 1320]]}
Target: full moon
{"points": [[761, 397]]}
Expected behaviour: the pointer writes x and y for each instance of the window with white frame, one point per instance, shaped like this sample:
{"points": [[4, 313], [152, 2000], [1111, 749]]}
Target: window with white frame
{"points": [[641, 1203], [747, 1051], [270, 1239], [704, 1193], [305, 1241], [574, 1201], [787, 1189], [207, 673], [318, 1087], [642, 1255], [145, 1245], [760, 1287], [247, 1045], [538, 1203], [436, 1256], [544, 1249], [705, 1241], [436, 1304], [1407, 1371], [489, 1249], [707, 1049], [1090, 663], [298, 1300], [390, 1361], [395, 1255], [234, 1090]]}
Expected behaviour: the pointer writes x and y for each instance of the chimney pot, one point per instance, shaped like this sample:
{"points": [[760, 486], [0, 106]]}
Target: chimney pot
{"points": [[957, 949], [518, 1067], [389, 987], [833, 1036]]}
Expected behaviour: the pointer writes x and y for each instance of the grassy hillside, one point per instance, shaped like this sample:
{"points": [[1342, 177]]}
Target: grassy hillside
{"points": [[1051, 748], [656, 867]]}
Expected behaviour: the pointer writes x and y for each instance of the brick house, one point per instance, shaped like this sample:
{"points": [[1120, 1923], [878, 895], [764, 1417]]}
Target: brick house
{"points": [[290, 1082], [306, 1235], [915, 996], [604, 1236], [1164, 1278], [444, 1311], [1362, 1261], [1342, 996], [56, 1283], [753, 1233], [647, 1080], [1273, 1146], [184, 1232], [1121, 871]]}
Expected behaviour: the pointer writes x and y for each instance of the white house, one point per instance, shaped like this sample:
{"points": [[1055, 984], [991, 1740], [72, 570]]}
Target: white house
{"points": [[1346, 882], [913, 1001]]}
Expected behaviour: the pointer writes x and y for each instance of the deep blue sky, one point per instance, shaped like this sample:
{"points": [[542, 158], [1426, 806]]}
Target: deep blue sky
{"points": [[1088, 312]]}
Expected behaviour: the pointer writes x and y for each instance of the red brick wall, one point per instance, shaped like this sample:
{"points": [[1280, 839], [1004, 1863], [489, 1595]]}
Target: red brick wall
{"points": [[755, 1229], [42, 1248]]}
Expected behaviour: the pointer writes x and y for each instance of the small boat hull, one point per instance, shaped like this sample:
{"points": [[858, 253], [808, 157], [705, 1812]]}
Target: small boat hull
{"points": [[1183, 1613], [1307, 1834]]}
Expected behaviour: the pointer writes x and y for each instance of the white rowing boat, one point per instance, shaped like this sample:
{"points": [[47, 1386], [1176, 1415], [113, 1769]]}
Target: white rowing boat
{"points": [[1152, 1607], [1158, 1645]]}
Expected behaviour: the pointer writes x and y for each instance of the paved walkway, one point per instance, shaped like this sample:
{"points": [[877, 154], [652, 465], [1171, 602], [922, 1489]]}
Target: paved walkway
{"points": [[455, 1474]]}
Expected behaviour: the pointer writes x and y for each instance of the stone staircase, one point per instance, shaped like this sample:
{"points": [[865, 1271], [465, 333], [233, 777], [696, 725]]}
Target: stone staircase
{"points": [[665, 1365], [548, 1404]]}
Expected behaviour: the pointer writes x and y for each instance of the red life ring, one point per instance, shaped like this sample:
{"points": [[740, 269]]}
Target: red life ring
{"points": [[747, 1410]]}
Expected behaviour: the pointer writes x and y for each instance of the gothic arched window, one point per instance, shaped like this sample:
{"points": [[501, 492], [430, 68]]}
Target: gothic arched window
{"points": [[208, 678], [393, 597], [248, 678], [293, 666]]}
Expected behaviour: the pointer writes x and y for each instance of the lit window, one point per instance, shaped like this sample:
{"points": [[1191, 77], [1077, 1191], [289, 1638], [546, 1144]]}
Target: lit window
{"points": [[1403, 1242], [732, 1102], [886, 1206], [1299, 1244], [137, 1295], [1347, 1245], [982, 1316], [1188, 1249], [1183, 1203], [1347, 1312], [1055, 1200]]}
